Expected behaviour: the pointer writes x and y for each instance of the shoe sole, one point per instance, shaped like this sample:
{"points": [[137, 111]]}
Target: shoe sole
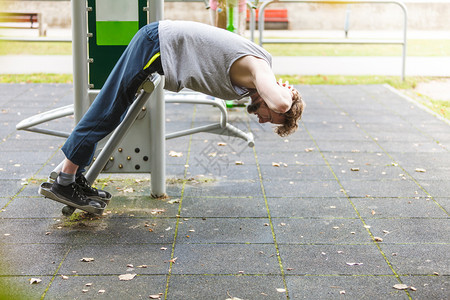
{"points": [[45, 190]]}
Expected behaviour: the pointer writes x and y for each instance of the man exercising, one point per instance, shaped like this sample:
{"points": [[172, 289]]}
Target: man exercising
{"points": [[190, 55]]}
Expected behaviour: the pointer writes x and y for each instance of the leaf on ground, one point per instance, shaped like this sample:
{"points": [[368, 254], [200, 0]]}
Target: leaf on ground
{"points": [[354, 264], [309, 149], [400, 286], [221, 144], [35, 280], [87, 259], [126, 277], [354, 169], [101, 291], [239, 163], [155, 296], [378, 239], [420, 170], [174, 201], [175, 154], [281, 290], [274, 164]]}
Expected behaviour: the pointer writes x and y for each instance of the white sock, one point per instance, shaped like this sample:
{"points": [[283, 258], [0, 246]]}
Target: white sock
{"points": [[65, 179]]}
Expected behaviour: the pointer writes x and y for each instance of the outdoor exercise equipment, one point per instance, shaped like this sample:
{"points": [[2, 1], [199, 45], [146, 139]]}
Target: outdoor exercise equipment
{"points": [[138, 144]]}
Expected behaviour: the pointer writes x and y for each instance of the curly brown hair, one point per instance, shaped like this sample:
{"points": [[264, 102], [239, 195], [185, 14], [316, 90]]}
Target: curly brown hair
{"points": [[292, 116]]}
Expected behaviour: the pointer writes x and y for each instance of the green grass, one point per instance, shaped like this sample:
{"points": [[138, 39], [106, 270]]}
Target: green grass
{"points": [[35, 48], [36, 78], [415, 48]]}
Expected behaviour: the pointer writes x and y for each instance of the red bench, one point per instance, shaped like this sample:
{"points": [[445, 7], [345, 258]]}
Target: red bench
{"points": [[273, 18], [27, 20]]}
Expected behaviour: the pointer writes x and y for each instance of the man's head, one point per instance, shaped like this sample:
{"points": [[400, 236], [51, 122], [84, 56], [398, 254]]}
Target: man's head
{"points": [[288, 121]]}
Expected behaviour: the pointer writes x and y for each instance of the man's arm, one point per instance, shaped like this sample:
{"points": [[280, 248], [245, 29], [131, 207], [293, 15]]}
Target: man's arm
{"points": [[255, 73]]}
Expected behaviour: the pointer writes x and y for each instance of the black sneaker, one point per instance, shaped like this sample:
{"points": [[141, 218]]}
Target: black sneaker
{"points": [[92, 192], [73, 193]]}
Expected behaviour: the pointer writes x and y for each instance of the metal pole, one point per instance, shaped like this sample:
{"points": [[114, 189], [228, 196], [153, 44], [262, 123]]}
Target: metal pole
{"points": [[405, 26], [79, 49], [157, 122]]}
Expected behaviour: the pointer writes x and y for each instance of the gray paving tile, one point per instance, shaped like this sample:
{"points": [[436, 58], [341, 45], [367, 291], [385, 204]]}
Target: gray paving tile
{"points": [[320, 207], [224, 207], [436, 188], [224, 168], [29, 231], [226, 259], [225, 287], [333, 260], [443, 203], [127, 230], [412, 147], [336, 287], [415, 230], [9, 187], [115, 259], [320, 231], [140, 287], [230, 188], [428, 287], [3, 202], [32, 260], [141, 206], [323, 188], [298, 157], [32, 208], [295, 172], [352, 146], [368, 172], [419, 259], [224, 230], [410, 207], [358, 158], [18, 171], [382, 188]]}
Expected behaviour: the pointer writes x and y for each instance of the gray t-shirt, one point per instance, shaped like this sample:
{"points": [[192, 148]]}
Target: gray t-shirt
{"points": [[199, 57]]}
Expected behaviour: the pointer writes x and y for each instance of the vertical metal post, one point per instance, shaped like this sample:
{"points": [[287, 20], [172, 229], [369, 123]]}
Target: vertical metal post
{"points": [[79, 49], [405, 28], [157, 121]]}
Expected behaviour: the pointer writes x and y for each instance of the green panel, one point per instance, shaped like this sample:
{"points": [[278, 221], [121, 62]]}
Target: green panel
{"points": [[116, 32], [105, 56]]}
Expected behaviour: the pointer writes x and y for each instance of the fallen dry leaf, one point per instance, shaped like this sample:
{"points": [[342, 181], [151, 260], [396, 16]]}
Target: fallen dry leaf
{"points": [[378, 239], [87, 259], [142, 266], [35, 280], [85, 291], [101, 291], [64, 277], [341, 292], [400, 286], [238, 162], [281, 290], [274, 164], [155, 296], [354, 169], [175, 154], [221, 144], [412, 288], [309, 149], [174, 201], [420, 170], [354, 264], [126, 277]]}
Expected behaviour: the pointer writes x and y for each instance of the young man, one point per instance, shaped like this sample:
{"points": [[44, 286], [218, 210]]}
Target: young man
{"points": [[190, 55]]}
